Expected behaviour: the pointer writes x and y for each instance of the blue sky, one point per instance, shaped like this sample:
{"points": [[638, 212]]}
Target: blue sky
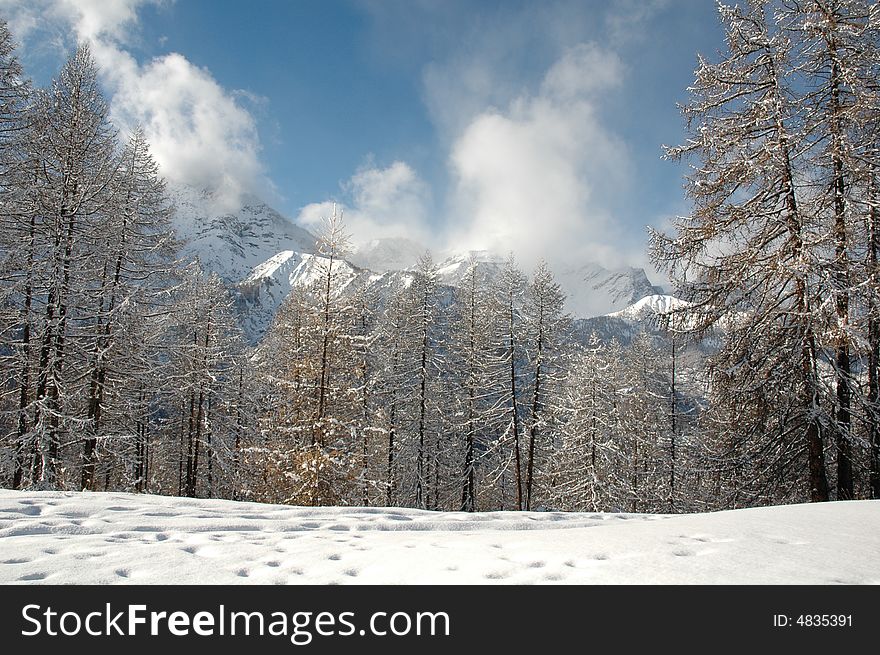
{"points": [[531, 126]]}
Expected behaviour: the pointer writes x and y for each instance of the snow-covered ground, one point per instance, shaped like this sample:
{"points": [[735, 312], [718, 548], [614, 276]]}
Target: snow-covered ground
{"points": [[56, 537]]}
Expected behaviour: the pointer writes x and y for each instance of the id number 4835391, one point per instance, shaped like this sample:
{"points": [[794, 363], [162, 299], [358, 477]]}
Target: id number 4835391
{"points": [[813, 621]]}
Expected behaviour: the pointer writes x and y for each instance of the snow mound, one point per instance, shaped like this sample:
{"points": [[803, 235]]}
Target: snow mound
{"points": [[101, 538]]}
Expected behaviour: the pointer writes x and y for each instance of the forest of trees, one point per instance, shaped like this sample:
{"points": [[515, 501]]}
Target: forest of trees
{"points": [[124, 366]]}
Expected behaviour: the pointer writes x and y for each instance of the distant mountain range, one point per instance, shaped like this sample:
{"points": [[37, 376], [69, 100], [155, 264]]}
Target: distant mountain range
{"points": [[261, 255]]}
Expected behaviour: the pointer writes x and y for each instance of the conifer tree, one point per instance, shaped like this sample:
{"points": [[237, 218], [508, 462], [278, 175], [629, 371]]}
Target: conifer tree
{"points": [[470, 350], [546, 327], [17, 255], [744, 256], [74, 150]]}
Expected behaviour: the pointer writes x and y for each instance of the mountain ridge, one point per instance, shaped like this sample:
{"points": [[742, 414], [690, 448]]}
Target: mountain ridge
{"points": [[260, 255]]}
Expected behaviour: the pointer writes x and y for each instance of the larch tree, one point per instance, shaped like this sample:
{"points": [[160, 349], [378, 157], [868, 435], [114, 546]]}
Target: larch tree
{"points": [[470, 350], [585, 455], [76, 163], [546, 327], [836, 63], [509, 345], [333, 245], [205, 340], [137, 249], [364, 430], [745, 256], [425, 304], [284, 364], [394, 389], [17, 256]]}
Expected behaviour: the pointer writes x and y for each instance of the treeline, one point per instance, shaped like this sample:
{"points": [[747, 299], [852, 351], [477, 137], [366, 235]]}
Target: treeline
{"points": [[472, 398]]}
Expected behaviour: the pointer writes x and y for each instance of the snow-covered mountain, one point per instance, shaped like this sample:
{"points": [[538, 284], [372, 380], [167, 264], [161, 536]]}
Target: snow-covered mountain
{"points": [[452, 266], [261, 293], [649, 314], [650, 308], [233, 242], [593, 290], [261, 256], [388, 254]]}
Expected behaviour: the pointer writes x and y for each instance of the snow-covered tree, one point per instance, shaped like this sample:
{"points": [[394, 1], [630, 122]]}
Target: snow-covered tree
{"points": [[777, 251], [137, 248], [744, 256], [395, 389], [507, 370], [313, 355], [366, 433], [837, 58], [470, 352], [17, 258], [75, 154], [546, 327], [583, 461], [205, 343]]}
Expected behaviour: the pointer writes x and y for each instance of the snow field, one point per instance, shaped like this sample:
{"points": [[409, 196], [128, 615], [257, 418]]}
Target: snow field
{"points": [[113, 538]]}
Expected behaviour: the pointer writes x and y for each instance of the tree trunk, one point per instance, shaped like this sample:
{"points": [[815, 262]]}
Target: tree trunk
{"points": [[673, 431], [873, 410], [817, 477], [318, 434], [468, 500], [423, 409], [843, 373], [390, 471], [468, 492], [514, 405], [533, 429]]}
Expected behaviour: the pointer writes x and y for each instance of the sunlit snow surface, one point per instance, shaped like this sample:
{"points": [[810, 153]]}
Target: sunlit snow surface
{"points": [[56, 537]]}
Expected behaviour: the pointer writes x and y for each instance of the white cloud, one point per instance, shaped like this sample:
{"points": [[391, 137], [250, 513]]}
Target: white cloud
{"points": [[100, 19], [456, 92], [535, 177], [626, 20], [200, 133], [52, 23], [384, 202], [519, 97], [582, 71]]}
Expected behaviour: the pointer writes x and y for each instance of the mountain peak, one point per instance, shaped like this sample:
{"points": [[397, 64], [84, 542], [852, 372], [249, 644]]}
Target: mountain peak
{"points": [[387, 254], [232, 242], [650, 307]]}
